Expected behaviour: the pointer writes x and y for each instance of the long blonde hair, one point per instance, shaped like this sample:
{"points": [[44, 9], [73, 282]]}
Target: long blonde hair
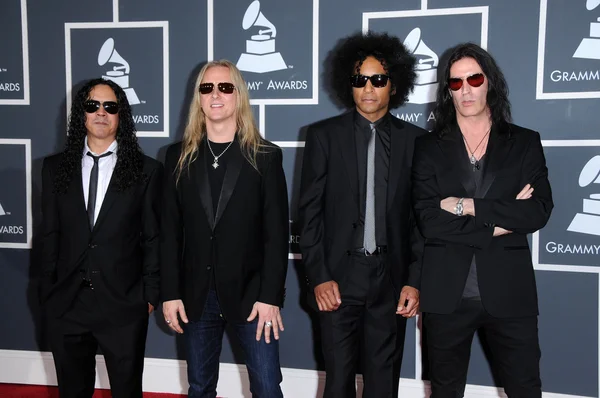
{"points": [[250, 140]]}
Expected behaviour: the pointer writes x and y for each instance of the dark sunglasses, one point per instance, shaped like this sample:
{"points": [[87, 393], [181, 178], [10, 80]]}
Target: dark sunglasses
{"points": [[91, 106], [476, 80], [378, 81], [225, 88]]}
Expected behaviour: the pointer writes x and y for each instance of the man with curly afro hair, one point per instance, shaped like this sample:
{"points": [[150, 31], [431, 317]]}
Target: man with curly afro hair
{"points": [[100, 245], [360, 246]]}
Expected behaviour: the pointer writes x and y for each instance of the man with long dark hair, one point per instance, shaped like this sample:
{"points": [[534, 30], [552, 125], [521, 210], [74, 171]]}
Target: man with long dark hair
{"points": [[480, 185], [360, 246], [100, 238]]}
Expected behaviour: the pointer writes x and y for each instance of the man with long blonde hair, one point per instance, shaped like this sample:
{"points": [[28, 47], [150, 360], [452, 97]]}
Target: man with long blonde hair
{"points": [[225, 244]]}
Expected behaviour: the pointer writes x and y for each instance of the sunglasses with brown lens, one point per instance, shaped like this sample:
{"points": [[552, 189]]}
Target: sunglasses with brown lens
{"points": [[225, 88]]}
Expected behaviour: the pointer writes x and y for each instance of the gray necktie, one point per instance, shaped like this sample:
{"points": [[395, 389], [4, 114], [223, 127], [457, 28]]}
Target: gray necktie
{"points": [[369, 237]]}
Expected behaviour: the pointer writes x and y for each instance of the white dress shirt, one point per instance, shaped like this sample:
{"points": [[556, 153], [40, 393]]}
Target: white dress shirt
{"points": [[106, 166]]}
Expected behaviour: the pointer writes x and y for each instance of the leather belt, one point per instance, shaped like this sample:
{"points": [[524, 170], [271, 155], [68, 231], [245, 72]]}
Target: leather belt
{"points": [[361, 250], [87, 283]]}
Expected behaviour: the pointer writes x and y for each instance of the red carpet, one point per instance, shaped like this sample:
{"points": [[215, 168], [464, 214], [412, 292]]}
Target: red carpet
{"points": [[29, 391]]}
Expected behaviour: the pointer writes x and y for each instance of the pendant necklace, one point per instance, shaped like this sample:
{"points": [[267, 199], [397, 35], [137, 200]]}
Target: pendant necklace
{"points": [[215, 163], [472, 158]]}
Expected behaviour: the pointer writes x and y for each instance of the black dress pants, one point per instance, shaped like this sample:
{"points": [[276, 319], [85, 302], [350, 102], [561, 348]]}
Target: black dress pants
{"points": [[513, 343], [367, 312], [75, 338]]}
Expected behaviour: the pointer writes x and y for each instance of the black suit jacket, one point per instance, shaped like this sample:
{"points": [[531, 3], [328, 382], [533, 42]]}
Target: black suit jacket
{"points": [[122, 250], [246, 241], [504, 268], [329, 203]]}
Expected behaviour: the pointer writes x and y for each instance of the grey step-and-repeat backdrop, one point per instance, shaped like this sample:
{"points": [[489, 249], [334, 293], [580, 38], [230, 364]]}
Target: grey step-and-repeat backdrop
{"points": [[548, 49]]}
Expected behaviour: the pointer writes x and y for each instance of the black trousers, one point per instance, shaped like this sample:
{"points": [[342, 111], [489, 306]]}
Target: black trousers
{"points": [[75, 338], [367, 312], [513, 343]]}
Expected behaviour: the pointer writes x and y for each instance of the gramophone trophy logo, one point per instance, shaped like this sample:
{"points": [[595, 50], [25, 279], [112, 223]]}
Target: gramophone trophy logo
{"points": [[568, 50], [260, 55], [589, 48], [588, 221], [427, 76], [15, 202], [120, 72], [14, 50], [425, 35]]}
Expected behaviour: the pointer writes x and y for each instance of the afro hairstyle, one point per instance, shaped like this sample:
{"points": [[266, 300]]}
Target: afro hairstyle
{"points": [[396, 60]]}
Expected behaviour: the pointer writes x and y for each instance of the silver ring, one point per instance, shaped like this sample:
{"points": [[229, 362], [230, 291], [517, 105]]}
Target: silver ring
{"points": [[268, 324], [168, 321]]}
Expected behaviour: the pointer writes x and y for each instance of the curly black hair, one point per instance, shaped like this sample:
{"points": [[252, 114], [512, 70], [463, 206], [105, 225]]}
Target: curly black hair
{"points": [[397, 61], [130, 159], [497, 95]]}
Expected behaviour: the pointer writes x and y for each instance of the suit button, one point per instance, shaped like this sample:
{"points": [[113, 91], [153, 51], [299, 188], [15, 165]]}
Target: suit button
{"points": [[208, 267], [212, 237], [92, 246], [348, 252]]}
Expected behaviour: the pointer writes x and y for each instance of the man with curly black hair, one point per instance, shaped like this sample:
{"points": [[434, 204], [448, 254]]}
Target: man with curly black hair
{"points": [[100, 237], [360, 246]]}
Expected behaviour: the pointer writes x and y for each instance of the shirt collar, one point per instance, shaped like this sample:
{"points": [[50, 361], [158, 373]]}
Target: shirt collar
{"points": [[362, 122], [111, 148]]}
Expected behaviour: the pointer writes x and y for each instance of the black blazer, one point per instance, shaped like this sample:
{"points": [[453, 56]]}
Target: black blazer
{"points": [[504, 268], [329, 203], [121, 251], [246, 241]]}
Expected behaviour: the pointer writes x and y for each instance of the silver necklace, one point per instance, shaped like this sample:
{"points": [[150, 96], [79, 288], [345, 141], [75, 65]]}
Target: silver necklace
{"points": [[216, 161], [472, 158]]}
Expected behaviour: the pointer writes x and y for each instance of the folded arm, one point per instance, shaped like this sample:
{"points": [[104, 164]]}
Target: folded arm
{"points": [[433, 221]]}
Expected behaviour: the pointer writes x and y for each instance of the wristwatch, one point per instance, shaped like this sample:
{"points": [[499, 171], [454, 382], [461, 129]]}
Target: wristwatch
{"points": [[458, 209]]}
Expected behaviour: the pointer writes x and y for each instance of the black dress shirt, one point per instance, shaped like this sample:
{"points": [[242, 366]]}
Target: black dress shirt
{"points": [[472, 285]]}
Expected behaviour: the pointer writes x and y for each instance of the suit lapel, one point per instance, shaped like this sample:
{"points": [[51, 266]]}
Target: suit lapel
{"points": [[234, 166], [452, 146], [397, 157], [347, 144], [109, 200], [498, 149], [203, 183], [76, 195]]}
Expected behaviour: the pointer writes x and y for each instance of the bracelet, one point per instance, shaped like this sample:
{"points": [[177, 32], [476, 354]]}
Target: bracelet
{"points": [[458, 209]]}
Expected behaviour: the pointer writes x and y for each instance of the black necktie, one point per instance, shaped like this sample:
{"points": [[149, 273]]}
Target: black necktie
{"points": [[93, 189]]}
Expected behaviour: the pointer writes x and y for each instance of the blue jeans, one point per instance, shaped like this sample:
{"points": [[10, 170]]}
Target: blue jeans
{"points": [[203, 344]]}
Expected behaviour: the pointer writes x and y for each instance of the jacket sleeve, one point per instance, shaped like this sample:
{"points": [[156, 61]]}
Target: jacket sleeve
{"points": [[522, 216], [50, 232], [171, 237], [433, 222], [275, 230], [311, 209], [150, 236]]}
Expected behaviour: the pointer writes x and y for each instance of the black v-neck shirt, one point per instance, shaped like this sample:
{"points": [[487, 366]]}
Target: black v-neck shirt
{"points": [[217, 175]]}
